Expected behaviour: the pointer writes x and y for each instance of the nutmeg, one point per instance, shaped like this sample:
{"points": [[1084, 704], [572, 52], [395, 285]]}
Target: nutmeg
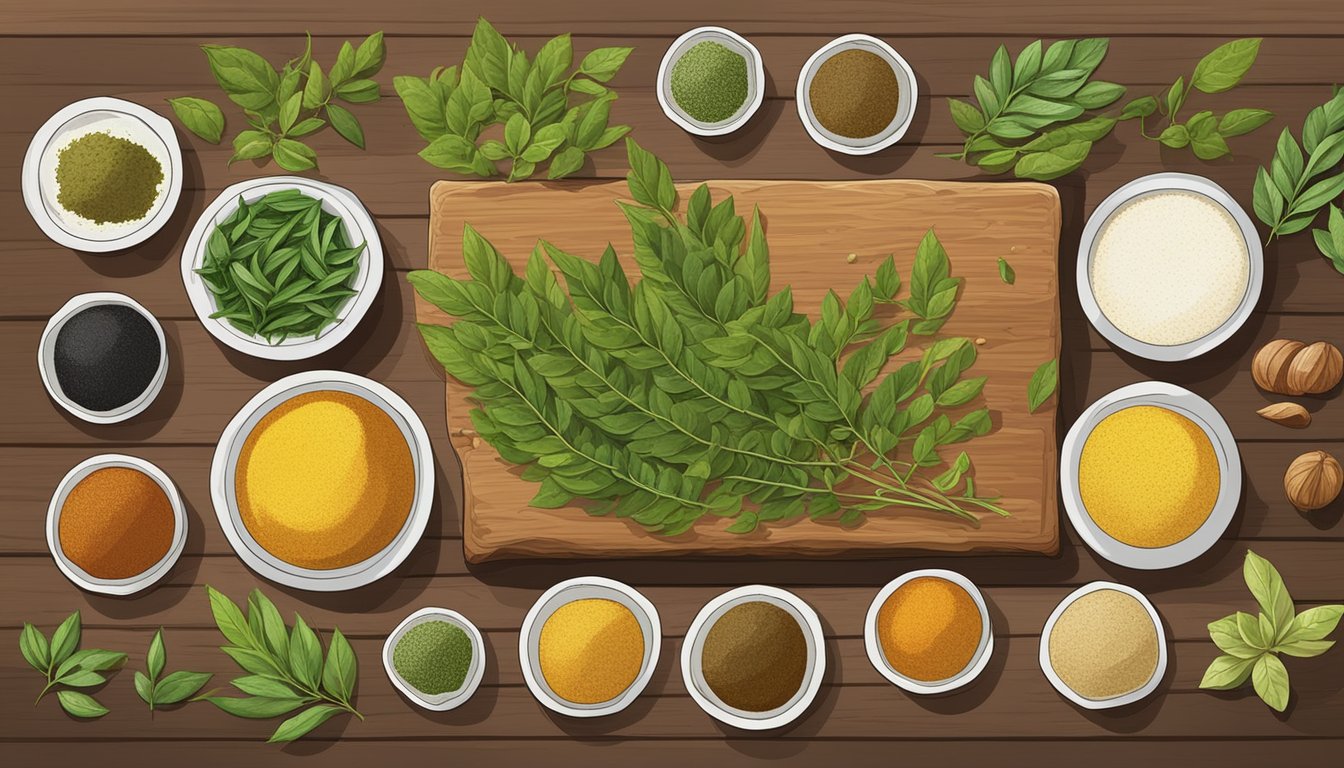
{"points": [[1313, 480], [1270, 366], [1316, 368], [1287, 414]]}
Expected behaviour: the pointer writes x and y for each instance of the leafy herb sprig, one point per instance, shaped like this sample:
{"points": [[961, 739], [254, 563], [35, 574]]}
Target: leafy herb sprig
{"points": [[1303, 179], [496, 84], [1251, 644], [283, 106], [695, 391], [175, 687], [1330, 241], [64, 664], [286, 669], [1044, 381]]}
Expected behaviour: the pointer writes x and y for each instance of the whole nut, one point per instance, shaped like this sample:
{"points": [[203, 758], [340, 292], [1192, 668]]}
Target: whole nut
{"points": [[1271, 363], [1287, 414], [1316, 368], [1313, 480]]}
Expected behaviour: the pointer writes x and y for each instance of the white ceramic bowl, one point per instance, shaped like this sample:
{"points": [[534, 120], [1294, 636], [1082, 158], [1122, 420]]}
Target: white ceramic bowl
{"points": [[1166, 182], [905, 108], [1117, 701], [755, 80], [587, 587], [46, 358], [983, 652], [225, 463], [443, 701], [121, 119], [1185, 403], [692, 651], [115, 586], [358, 227]]}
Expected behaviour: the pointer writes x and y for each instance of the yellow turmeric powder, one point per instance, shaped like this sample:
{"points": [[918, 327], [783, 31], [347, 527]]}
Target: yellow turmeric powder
{"points": [[591, 650], [929, 629]]}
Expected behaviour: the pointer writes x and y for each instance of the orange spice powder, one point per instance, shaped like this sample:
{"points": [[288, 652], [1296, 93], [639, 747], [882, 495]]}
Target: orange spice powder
{"points": [[116, 523], [929, 629]]}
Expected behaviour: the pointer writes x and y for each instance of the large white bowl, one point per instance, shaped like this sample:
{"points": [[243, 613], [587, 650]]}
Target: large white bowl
{"points": [[444, 701], [225, 464], [983, 652], [1165, 182], [1118, 701], [358, 227], [905, 108], [119, 118], [1185, 403], [587, 587], [755, 80], [692, 672]]}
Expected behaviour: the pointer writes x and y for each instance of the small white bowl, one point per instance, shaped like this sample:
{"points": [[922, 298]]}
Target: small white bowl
{"points": [[1117, 701], [983, 652], [905, 108], [358, 227], [692, 672], [121, 119], [115, 586], [46, 358], [444, 701], [1167, 182], [225, 464], [1189, 405], [587, 587], [755, 80]]}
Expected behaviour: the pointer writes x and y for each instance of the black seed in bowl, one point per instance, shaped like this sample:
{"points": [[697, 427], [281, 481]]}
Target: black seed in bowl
{"points": [[106, 356]]}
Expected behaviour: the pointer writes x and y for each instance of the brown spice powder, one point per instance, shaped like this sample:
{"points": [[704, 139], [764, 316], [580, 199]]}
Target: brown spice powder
{"points": [[854, 94], [116, 523], [755, 657]]}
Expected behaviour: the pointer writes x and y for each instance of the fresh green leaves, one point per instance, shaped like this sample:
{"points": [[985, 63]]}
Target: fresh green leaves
{"points": [[496, 84], [62, 663], [1006, 272], [693, 391], [1225, 66], [171, 689], [286, 668], [1302, 180], [1330, 241], [282, 106], [1251, 644], [1044, 382], [280, 266]]}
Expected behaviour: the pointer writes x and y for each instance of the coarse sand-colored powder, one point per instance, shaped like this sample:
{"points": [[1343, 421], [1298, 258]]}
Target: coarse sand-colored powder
{"points": [[1104, 645]]}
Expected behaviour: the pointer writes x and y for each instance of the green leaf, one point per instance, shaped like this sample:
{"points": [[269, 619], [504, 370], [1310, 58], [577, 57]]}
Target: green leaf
{"points": [[369, 56], [230, 620], [273, 631], [1305, 648], [602, 64], [257, 707], [1227, 636], [144, 688], [451, 152], [92, 659], [1175, 97], [649, 180], [1242, 121], [82, 678], [266, 687], [245, 76], [1314, 623], [1043, 384], [33, 646], [1209, 147], [179, 686], [294, 155], [424, 104], [1226, 65], [1227, 672], [566, 162], [357, 91], [289, 112], [305, 654], [553, 59], [80, 704], [316, 90], [1098, 94], [588, 87], [1174, 136], [966, 116], [65, 640], [1263, 579], [1006, 273], [1143, 106], [1053, 163], [1270, 679], [157, 657], [303, 722], [346, 124], [250, 145], [339, 672], [517, 132], [200, 116]]}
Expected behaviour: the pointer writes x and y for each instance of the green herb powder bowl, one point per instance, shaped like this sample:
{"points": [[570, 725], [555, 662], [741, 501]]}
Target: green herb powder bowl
{"points": [[711, 81], [436, 658]]}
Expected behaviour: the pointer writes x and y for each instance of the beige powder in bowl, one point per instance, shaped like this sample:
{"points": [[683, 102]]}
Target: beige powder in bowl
{"points": [[1104, 645], [1169, 267]]}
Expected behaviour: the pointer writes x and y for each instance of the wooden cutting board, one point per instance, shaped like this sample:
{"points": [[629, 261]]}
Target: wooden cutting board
{"points": [[811, 227]]}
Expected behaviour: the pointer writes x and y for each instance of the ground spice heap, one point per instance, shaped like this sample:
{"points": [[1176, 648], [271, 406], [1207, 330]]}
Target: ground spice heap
{"points": [[433, 657], [591, 650], [107, 179], [755, 657], [929, 629], [1104, 645], [106, 356], [854, 94], [116, 523], [709, 82], [325, 480]]}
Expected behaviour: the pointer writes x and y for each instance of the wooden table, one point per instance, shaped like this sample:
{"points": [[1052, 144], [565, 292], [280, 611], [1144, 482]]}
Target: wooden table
{"points": [[57, 51]]}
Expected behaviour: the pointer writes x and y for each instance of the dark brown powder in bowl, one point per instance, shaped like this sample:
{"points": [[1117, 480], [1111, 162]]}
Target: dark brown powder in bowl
{"points": [[854, 94], [755, 657]]}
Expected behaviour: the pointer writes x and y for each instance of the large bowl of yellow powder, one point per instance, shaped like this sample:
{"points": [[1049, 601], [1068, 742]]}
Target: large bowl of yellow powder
{"points": [[323, 481], [1151, 476]]}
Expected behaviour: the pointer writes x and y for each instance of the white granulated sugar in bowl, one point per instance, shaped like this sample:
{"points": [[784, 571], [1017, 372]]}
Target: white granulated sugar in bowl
{"points": [[1169, 267]]}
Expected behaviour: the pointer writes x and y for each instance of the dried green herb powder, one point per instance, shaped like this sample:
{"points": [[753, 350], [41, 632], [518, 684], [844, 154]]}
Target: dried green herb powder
{"points": [[107, 179], [709, 82], [433, 657]]}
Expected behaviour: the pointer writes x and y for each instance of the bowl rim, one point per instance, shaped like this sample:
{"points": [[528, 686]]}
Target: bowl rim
{"points": [[1186, 403], [1118, 701], [755, 97], [646, 615], [905, 76], [350, 577], [1168, 181], [46, 364], [37, 147], [133, 584], [475, 673], [356, 219], [983, 652], [809, 623]]}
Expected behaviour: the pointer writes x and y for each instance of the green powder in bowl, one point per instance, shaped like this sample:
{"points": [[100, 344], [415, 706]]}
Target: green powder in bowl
{"points": [[709, 82], [107, 179], [433, 657]]}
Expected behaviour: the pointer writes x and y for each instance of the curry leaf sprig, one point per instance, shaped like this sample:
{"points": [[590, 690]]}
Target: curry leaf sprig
{"points": [[284, 106], [64, 664], [694, 391], [496, 84], [286, 668], [1302, 179], [1251, 644], [173, 688]]}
